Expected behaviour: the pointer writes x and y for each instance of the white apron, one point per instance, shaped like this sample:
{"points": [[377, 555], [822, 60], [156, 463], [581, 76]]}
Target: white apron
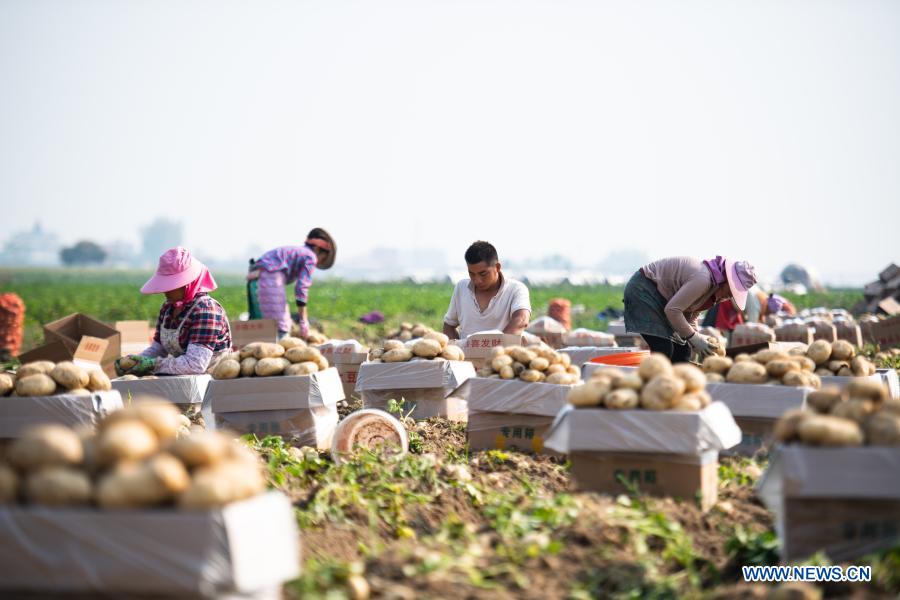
{"points": [[169, 338]]}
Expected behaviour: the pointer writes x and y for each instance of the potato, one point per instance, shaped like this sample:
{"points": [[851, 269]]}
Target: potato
{"points": [[269, 367], [98, 381], [427, 348], [9, 484], [717, 364], [299, 369], [227, 369], [826, 430], [693, 378], [7, 383], [453, 352], [746, 372], [842, 350], [796, 379], [157, 479], [779, 367], [661, 392], [824, 400], [688, 403], [883, 429], [799, 350], [418, 330], [862, 367], [250, 349], [845, 372], [226, 482], [69, 375], [158, 414], [248, 367], [819, 351], [44, 446], [393, 345], [866, 388], [786, 428], [38, 367], [835, 366], [522, 355], [764, 357], [556, 368], [289, 342], [405, 336], [128, 439], [565, 360], [589, 394], [539, 364], [715, 378], [629, 381], [35, 385], [822, 372], [716, 345], [397, 355], [655, 365], [502, 361], [269, 350], [202, 449], [854, 409], [58, 486], [743, 358], [559, 378], [439, 337], [506, 372], [303, 354], [498, 351], [806, 364], [574, 370], [621, 399], [531, 375]]}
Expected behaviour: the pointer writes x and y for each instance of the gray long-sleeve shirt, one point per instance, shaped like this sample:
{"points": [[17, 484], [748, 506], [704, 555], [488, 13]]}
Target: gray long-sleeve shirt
{"points": [[686, 283]]}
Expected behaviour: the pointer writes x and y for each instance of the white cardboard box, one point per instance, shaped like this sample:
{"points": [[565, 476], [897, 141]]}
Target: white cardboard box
{"points": [[182, 390], [65, 409], [346, 356], [426, 388], [669, 432], [478, 346], [515, 396], [758, 401], [153, 552], [302, 407]]}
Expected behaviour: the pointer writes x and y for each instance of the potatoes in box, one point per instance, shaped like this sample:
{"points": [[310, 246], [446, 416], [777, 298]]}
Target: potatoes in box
{"points": [[272, 360], [535, 364], [45, 378], [434, 346]]}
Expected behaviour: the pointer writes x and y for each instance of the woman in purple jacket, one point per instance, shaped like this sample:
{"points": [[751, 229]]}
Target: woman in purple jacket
{"points": [[664, 299], [291, 264]]}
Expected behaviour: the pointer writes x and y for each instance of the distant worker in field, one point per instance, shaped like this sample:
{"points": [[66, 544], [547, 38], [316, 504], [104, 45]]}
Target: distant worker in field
{"points": [[285, 265], [486, 300], [664, 299], [779, 304], [192, 329]]}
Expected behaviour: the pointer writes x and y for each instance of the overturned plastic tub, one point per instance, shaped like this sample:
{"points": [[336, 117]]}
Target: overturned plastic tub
{"points": [[369, 429]]}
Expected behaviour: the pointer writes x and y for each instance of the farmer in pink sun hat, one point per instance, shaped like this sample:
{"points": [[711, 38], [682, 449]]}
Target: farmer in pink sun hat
{"points": [[192, 329], [664, 299]]}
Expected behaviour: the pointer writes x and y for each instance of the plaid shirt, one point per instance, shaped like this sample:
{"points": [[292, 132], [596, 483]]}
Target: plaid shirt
{"points": [[207, 326], [298, 263]]}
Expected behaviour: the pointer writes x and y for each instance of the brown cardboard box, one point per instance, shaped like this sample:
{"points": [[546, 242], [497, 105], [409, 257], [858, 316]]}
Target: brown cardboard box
{"points": [[843, 500], [303, 408], [751, 333], [65, 409], [824, 330], [71, 329], [136, 336], [886, 333], [478, 346], [849, 331], [255, 330], [688, 477], [152, 553], [53, 351], [795, 332], [505, 431], [423, 386]]}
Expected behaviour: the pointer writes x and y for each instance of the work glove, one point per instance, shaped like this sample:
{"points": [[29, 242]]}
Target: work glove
{"points": [[701, 344], [144, 365], [120, 370]]}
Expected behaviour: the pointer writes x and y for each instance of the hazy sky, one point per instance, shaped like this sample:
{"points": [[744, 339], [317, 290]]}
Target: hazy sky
{"points": [[764, 130]]}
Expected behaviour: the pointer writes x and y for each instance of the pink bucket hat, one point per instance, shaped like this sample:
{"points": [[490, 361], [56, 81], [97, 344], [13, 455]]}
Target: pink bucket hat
{"points": [[741, 277], [177, 268]]}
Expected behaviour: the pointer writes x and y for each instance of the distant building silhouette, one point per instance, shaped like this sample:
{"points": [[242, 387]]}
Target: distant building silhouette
{"points": [[35, 248]]}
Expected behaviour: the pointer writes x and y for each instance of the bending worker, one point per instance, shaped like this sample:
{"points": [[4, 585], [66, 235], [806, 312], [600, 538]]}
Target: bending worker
{"points": [[288, 264], [192, 329], [486, 300], [663, 300]]}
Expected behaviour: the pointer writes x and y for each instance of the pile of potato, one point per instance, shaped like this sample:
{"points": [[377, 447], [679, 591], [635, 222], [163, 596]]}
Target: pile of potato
{"points": [[408, 332], [536, 364], [289, 356], [765, 367], [433, 346], [838, 358], [141, 456], [862, 413], [657, 385], [46, 378]]}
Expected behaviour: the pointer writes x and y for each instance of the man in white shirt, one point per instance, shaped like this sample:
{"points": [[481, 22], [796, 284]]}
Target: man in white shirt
{"points": [[487, 300]]}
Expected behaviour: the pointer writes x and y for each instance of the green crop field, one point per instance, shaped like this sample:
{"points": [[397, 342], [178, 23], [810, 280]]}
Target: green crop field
{"points": [[335, 306]]}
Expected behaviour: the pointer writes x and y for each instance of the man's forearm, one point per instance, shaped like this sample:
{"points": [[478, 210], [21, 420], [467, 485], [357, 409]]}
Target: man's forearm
{"points": [[451, 332], [517, 323]]}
